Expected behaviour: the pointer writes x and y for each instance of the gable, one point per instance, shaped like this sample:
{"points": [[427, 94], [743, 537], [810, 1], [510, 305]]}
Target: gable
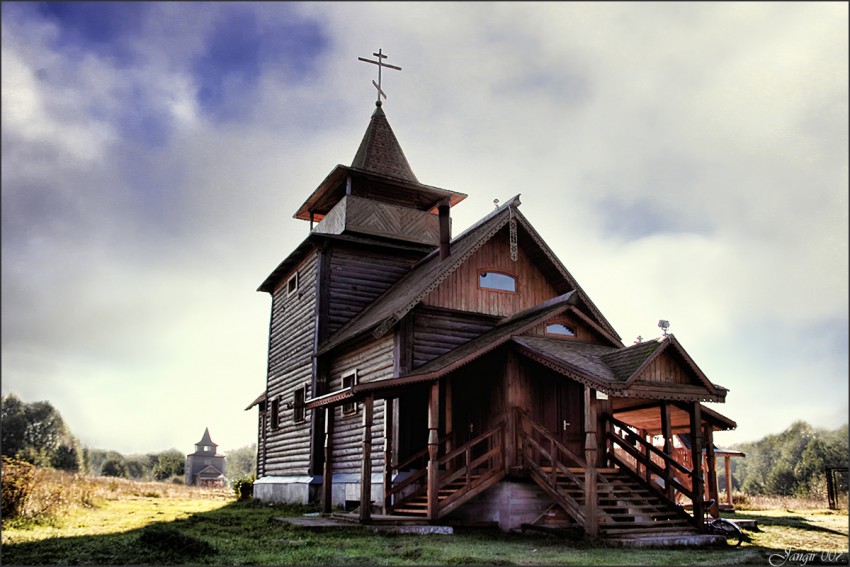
{"points": [[461, 289], [666, 368]]}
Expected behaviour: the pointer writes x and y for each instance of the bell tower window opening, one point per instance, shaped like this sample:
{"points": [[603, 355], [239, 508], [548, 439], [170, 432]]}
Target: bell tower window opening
{"points": [[497, 281]]}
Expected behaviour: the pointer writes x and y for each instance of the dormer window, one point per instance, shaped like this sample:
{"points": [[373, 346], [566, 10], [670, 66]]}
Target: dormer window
{"points": [[497, 281], [560, 330]]}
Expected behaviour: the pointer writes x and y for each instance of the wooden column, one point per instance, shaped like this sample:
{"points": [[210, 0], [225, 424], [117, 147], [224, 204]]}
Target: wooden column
{"points": [[711, 472], [696, 460], [388, 453], [366, 463], [668, 448], [327, 472], [591, 520], [726, 458], [433, 447]]}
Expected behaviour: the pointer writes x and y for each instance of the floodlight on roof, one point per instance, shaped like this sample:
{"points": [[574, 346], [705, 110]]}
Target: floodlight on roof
{"points": [[664, 326]]}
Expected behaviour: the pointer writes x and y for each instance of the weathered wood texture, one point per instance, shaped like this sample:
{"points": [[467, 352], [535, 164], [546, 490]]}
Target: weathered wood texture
{"points": [[437, 331], [371, 362], [287, 449], [665, 369], [354, 214], [358, 277], [460, 290], [582, 332]]}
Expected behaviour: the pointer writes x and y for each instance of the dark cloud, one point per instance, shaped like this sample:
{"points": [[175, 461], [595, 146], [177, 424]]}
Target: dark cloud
{"points": [[104, 28]]}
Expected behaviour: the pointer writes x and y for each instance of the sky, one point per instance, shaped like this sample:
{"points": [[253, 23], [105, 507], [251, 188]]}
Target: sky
{"points": [[685, 161]]}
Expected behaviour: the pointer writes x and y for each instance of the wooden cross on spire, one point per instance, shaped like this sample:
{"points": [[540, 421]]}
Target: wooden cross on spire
{"points": [[380, 65]]}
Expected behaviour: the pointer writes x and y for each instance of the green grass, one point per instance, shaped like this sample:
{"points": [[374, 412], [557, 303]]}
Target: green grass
{"points": [[177, 531]]}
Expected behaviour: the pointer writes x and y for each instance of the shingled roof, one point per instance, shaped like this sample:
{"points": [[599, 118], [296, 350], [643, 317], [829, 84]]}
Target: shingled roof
{"points": [[462, 355], [380, 152], [617, 371]]}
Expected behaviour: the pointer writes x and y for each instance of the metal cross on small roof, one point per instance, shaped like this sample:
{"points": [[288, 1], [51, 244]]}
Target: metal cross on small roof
{"points": [[380, 65]]}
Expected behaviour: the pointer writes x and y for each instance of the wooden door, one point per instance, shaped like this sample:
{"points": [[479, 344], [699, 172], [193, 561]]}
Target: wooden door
{"points": [[563, 412]]}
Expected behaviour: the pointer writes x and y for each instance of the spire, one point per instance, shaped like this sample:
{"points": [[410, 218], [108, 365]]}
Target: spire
{"points": [[380, 152], [206, 440]]}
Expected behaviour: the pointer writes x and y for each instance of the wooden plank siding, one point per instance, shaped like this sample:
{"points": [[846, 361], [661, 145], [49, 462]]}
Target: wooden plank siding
{"points": [[460, 290], [437, 331], [583, 332], [373, 361], [286, 449], [665, 370], [358, 277]]}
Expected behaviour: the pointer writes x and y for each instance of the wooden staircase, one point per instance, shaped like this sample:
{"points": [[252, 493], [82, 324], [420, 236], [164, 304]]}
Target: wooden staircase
{"points": [[462, 474], [626, 504]]}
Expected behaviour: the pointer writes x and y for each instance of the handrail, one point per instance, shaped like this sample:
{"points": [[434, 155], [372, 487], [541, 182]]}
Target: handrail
{"points": [[469, 464], [634, 437], [413, 478], [550, 480], [546, 434]]}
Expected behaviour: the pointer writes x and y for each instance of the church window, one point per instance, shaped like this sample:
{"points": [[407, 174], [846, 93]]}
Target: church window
{"points": [[560, 330], [349, 408], [497, 281], [298, 411], [292, 285], [275, 413]]}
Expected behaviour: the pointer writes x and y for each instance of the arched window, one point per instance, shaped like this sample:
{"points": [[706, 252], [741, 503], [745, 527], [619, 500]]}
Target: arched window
{"points": [[560, 330], [497, 281]]}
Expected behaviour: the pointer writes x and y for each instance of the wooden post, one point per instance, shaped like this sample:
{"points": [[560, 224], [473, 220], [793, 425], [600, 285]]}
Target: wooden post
{"points": [[648, 454], [726, 458], [696, 460], [591, 520], [433, 447], [366, 463], [711, 472], [327, 472], [388, 453], [668, 448]]}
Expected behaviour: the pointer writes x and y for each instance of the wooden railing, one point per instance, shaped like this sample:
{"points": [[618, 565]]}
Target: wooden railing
{"points": [[476, 472], [547, 460], [645, 455], [466, 471], [420, 459]]}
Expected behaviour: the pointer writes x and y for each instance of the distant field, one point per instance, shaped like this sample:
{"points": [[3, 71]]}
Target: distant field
{"points": [[153, 523]]}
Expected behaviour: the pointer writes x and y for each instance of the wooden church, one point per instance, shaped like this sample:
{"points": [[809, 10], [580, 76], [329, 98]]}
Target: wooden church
{"points": [[466, 378]]}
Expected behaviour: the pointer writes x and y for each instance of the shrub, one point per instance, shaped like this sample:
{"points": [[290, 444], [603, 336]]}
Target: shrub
{"points": [[244, 487], [17, 484]]}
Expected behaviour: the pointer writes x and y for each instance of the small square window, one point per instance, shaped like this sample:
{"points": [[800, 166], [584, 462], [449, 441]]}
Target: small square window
{"points": [[292, 285], [349, 408], [298, 410]]}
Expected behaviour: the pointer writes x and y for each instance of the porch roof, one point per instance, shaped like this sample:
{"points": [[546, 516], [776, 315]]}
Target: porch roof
{"points": [[618, 372], [460, 356]]}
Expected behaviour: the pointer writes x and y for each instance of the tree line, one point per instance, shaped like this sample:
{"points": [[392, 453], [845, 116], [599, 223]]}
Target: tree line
{"points": [[791, 463], [36, 433]]}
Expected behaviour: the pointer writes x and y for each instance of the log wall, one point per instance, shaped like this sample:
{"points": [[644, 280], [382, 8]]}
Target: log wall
{"points": [[358, 277], [286, 449], [372, 362], [437, 331]]}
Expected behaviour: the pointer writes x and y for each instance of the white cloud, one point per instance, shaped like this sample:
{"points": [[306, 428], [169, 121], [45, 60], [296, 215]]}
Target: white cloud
{"points": [[685, 161]]}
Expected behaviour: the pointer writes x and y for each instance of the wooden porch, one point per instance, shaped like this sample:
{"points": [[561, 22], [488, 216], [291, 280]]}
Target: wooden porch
{"points": [[620, 485]]}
